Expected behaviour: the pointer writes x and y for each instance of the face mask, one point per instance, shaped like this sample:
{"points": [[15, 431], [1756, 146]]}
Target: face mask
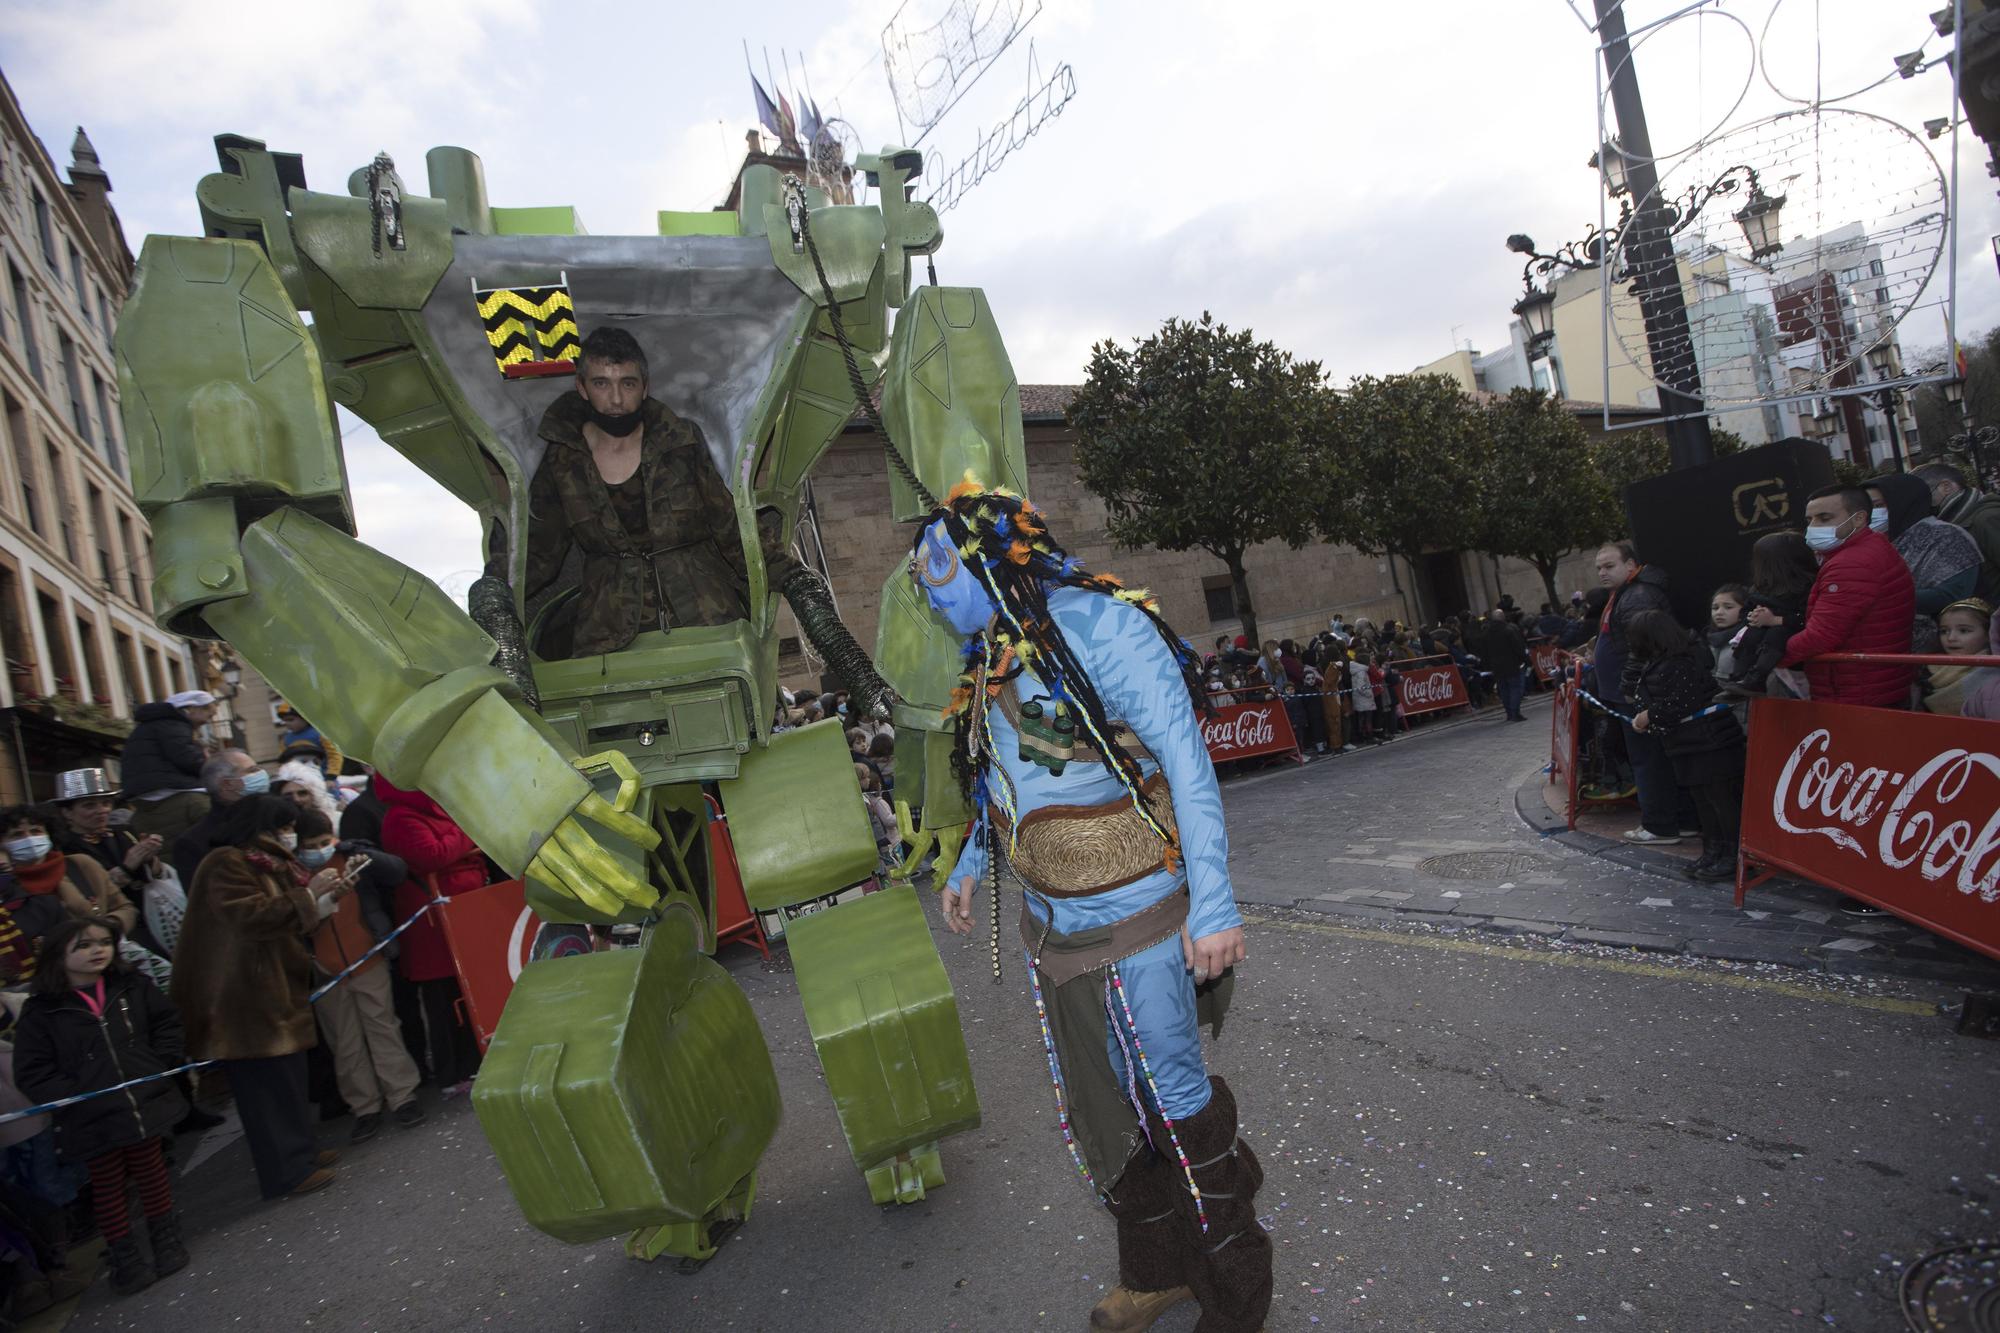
{"points": [[288, 840], [27, 850], [315, 857], [619, 424], [954, 591], [256, 782], [1878, 519], [1825, 539]]}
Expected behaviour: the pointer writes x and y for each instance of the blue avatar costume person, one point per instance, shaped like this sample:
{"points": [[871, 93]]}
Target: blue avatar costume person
{"points": [[1078, 743]]}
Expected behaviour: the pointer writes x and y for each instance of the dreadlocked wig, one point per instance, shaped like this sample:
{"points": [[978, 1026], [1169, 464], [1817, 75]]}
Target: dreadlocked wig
{"points": [[1003, 542]]}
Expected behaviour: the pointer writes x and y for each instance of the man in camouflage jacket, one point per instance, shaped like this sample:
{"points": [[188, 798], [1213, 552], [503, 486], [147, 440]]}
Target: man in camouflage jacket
{"points": [[660, 548]]}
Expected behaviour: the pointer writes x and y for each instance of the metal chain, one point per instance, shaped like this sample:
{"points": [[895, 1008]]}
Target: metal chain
{"points": [[801, 218]]}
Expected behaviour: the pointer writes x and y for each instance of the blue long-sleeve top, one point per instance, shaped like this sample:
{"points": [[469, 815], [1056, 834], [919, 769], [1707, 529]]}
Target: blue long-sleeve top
{"points": [[1141, 686]]}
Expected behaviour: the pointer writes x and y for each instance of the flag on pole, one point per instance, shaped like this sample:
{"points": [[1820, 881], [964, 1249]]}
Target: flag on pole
{"points": [[809, 123], [767, 111], [1958, 358], [787, 130]]}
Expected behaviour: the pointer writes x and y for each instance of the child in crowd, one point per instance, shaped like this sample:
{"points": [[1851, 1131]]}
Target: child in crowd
{"points": [[1963, 630], [92, 1024], [881, 816], [1703, 740], [1382, 681], [1726, 607], [1782, 570]]}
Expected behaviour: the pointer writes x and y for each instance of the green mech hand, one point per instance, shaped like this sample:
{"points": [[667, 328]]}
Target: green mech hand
{"points": [[572, 863]]}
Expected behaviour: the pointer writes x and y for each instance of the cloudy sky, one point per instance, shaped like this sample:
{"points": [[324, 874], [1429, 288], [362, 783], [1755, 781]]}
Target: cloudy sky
{"points": [[1339, 177]]}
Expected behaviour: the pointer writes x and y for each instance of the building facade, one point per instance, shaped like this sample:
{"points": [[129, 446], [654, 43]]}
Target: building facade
{"points": [[75, 556]]}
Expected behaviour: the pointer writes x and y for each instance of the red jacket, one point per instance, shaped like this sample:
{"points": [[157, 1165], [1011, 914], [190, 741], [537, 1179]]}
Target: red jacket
{"points": [[1862, 602], [417, 829]]}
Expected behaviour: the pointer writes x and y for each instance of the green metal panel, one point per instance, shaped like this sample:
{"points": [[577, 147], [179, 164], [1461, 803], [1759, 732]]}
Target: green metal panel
{"points": [[950, 397], [335, 231], [796, 818], [678, 705], [709, 222], [885, 1023], [627, 1089], [220, 388], [551, 220], [246, 201], [458, 178], [849, 241], [916, 652]]}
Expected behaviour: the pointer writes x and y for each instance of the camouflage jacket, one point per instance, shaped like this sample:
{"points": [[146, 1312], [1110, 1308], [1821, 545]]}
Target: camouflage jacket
{"points": [[686, 569]]}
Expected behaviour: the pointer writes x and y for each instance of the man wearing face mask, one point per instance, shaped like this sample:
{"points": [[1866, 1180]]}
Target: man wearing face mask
{"points": [[631, 486], [227, 779], [1862, 602]]}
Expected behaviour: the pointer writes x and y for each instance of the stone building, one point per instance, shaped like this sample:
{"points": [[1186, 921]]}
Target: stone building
{"points": [[1295, 593], [75, 556]]}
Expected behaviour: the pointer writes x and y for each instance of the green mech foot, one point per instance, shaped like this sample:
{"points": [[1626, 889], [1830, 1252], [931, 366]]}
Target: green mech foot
{"points": [[905, 1177], [695, 1242]]}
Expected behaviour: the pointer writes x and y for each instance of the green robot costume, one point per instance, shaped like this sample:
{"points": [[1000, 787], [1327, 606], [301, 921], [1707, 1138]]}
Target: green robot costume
{"points": [[630, 1092]]}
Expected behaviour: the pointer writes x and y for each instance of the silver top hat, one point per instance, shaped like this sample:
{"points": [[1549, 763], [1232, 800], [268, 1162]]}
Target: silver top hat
{"points": [[78, 783]]}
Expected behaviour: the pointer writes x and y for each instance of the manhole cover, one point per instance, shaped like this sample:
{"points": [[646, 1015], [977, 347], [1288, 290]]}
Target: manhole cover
{"points": [[1485, 865]]}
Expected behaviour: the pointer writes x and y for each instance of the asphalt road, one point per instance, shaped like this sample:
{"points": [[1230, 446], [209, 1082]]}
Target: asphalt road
{"points": [[1459, 1133]]}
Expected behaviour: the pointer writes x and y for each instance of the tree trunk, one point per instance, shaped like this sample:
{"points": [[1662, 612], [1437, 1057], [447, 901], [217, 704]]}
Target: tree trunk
{"points": [[1239, 588], [1548, 570]]}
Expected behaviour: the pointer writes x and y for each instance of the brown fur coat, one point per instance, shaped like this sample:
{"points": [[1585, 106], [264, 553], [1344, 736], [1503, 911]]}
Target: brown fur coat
{"points": [[242, 970]]}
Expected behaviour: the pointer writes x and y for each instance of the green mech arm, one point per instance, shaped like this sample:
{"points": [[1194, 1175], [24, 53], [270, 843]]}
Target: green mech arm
{"points": [[236, 465]]}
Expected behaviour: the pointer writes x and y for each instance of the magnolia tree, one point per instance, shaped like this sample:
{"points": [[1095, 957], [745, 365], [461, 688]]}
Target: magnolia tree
{"points": [[1203, 437]]}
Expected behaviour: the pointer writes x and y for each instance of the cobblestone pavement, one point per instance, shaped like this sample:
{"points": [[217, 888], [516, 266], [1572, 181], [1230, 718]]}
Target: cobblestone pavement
{"points": [[1449, 826]]}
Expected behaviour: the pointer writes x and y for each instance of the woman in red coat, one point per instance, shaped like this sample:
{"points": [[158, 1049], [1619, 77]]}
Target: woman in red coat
{"points": [[439, 853]]}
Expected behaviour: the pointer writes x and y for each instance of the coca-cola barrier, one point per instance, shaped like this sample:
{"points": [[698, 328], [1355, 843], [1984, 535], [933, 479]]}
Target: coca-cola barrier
{"points": [[1565, 737], [1429, 684], [1546, 658], [1896, 808], [1243, 731]]}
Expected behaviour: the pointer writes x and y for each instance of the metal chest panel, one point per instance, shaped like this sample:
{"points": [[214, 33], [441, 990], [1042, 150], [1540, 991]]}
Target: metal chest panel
{"points": [[626, 1089], [796, 816], [885, 1023]]}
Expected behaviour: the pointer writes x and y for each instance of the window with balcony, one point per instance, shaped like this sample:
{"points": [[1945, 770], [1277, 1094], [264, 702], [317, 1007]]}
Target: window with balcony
{"points": [[24, 311], [76, 278], [45, 228], [15, 640], [106, 562], [24, 462], [65, 518], [128, 671], [134, 583], [79, 414], [156, 678], [104, 320], [49, 611], [93, 662], [108, 421]]}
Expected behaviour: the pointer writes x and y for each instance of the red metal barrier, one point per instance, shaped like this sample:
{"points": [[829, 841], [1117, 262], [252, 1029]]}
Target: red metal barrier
{"points": [[1428, 685], [490, 932], [1565, 740], [1546, 658], [1243, 731], [1896, 808]]}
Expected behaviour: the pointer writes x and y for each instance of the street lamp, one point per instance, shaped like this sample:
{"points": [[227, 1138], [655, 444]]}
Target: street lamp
{"points": [[1759, 219], [1537, 312], [1882, 360], [1610, 163]]}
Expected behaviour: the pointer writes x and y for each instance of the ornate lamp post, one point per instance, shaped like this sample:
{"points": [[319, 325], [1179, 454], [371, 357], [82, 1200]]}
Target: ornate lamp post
{"points": [[1882, 360]]}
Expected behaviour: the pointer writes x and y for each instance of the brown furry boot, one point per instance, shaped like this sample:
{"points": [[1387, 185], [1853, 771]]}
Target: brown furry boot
{"points": [[1231, 1272], [1153, 1258]]}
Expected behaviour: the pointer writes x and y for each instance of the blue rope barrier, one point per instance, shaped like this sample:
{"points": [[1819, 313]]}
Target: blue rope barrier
{"points": [[379, 945]]}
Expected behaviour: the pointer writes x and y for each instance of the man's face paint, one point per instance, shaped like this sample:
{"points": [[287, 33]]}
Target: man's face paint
{"points": [[954, 591]]}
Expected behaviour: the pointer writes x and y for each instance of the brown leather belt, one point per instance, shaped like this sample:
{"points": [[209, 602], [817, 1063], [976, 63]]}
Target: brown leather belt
{"points": [[1063, 958]]}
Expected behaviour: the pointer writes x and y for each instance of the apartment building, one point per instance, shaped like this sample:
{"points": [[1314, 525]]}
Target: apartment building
{"points": [[76, 626]]}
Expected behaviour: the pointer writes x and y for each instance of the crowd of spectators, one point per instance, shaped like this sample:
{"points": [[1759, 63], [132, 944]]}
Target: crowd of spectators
{"points": [[1905, 565], [190, 918], [1340, 688]]}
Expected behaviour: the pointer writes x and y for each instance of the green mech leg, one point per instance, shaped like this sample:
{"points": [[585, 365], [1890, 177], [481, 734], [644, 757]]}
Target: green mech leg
{"points": [[885, 1023]]}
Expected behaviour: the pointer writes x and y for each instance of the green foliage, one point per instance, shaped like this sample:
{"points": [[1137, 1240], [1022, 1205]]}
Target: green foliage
{"points": [[1203, 437], [1549, 492], [1421, 454]]}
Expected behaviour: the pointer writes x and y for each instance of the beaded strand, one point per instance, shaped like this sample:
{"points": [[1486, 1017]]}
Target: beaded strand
{"points": [[1055, 1075], [1146, 1068]]}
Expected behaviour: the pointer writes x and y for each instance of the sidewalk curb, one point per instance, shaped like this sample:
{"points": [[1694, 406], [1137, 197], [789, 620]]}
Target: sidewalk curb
{"points": [[1847, 961]]}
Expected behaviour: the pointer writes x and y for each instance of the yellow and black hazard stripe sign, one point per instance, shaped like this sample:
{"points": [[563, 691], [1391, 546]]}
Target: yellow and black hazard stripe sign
{"points": [[532, 329]]}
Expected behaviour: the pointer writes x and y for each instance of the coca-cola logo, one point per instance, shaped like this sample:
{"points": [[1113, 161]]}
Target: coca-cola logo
{"points": [[1245, 731], [1431, 687], [1943, 818]]}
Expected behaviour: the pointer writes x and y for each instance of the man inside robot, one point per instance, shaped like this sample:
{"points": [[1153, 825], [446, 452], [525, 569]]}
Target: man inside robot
{"points": [[630, 485]]}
